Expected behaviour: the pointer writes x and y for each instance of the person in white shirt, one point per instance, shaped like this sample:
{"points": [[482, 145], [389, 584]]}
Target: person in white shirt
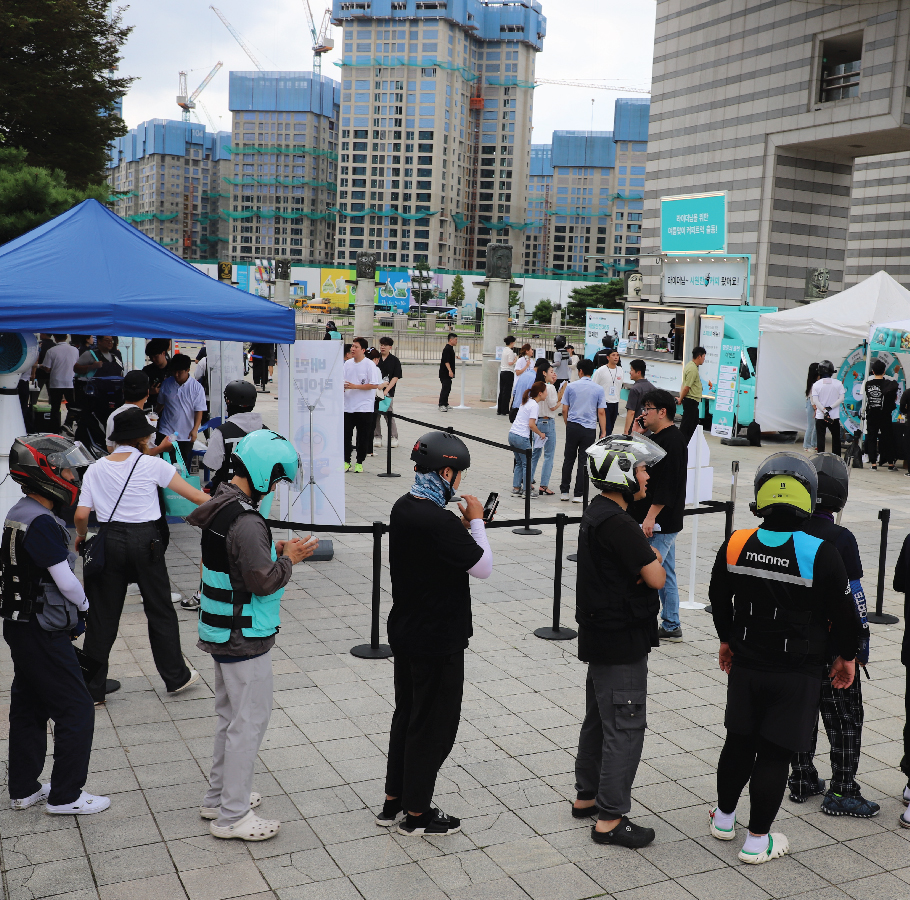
{"points": [[523, 427], [549, 403], [122, 489], [180, 405], [506, 376], [136, 388], [573, 363], [525, 359], [58, 363], [361, 375], [609, 377], [827, 397]]}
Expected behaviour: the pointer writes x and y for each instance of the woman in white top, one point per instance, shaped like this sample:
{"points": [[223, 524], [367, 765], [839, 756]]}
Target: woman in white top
{"points": [[123, 490], [573, 363], [609, 377], [525, 359], [523, 427], [549, 404], [506, 376]]}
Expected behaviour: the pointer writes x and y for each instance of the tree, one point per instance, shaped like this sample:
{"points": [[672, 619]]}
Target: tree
{"points": [[602, 295], [421, 279], [456, 291], [57, 64], [30, 196], [543, 313]]}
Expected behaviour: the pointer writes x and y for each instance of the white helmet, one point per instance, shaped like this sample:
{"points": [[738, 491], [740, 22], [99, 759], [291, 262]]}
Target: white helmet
{"points": [[612, 461]]}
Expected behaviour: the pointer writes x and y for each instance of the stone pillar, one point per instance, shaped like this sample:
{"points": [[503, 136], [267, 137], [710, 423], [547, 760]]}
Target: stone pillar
{"points": [[522, 315], [400, 323], [283, 282], [555, 320], [496, 315], [429, 323], [365, 296]]}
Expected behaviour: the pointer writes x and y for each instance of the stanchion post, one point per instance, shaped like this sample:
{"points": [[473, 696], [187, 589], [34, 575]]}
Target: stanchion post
{"points": [[526, 528], [374, 650], [879, 617], [388, 452], [555, 633]]}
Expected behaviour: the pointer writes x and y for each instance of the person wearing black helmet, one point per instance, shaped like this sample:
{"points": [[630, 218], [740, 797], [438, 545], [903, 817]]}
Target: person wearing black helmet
{"points": [[781, 601], [239, 400], [841, 708], [602, 356], [616, 608], [827, 397], [43, 606], [432, 554], [561, 357]]}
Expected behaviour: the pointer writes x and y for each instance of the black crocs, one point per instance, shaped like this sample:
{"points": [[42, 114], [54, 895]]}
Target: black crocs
{"points": [[625, 834]]}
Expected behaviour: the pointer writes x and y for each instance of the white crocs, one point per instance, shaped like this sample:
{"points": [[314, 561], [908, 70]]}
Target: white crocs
{"points": [[722, 834], [249, 828], [778, 845], [37, 797], [211, 812], [86, 805]]}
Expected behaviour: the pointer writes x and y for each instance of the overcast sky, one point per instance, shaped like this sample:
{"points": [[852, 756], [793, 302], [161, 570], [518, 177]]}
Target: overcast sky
{"points": [[605, 39]]}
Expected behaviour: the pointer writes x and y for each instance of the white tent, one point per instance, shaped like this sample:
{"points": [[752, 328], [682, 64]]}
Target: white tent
{"points": [[827, 329]]}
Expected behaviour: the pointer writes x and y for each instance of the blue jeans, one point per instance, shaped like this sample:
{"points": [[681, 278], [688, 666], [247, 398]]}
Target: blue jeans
{"points": [[519, 444], [809, 440], [669, 594], [548, 427]]}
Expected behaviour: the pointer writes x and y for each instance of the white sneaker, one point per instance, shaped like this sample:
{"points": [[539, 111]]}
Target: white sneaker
{"points": [[778, 845], [578, 499], [564, 496], [194, 677], [394, 442], [37, 797], [443, 408], [377, 441], [86, 805], [176, 597]]}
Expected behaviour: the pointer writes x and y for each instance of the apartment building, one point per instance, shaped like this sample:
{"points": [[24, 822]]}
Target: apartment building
{"points": [[436, 106], [164, 178], [278, 185], [540, 186]]}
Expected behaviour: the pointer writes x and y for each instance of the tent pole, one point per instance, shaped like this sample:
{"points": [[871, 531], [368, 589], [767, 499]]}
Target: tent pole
{"points": [[290, 402]]}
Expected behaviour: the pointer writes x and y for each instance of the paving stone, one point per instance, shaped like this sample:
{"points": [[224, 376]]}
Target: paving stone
{"points": [[44, 847], [838, 863], [158, 887], [565, 882], [50, 879], [407, 882], [337, 889], [724, 882], [240, 879], [131, 863], [515, 857], [299, 867], [684, 857]]}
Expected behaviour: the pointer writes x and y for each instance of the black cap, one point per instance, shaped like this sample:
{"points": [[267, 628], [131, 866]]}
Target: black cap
{"points": [[136, 381], [130, 425]]}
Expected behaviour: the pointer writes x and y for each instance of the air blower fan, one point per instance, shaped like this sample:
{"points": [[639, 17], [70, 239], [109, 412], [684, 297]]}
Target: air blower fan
{"points": [[18, 353]]}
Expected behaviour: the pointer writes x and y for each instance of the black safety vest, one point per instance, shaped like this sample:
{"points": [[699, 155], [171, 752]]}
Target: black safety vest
{"points": [[607, 596], [780, 616], [21, 587], [231, 433]]}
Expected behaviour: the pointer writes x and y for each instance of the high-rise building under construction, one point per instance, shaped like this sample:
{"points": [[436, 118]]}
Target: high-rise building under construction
{"points": [[436, 105]]}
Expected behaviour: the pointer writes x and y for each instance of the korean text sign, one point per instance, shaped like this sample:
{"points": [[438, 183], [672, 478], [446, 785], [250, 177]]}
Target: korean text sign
{"points": [[694, 224]]}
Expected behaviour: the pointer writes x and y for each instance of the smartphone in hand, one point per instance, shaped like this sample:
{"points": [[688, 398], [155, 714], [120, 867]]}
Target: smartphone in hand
{"points": [[489, 508]]}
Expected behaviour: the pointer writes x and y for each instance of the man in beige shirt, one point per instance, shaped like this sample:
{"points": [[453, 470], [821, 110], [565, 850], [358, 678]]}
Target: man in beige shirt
{"points": [[690, 395]]}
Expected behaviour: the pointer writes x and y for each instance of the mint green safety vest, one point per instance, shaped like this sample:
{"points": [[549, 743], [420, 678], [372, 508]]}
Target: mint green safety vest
{"points": [[224, 609]]}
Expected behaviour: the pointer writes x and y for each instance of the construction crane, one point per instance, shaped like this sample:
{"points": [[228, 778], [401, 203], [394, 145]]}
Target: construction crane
{"points": [[237, 38], [187, 103], [322, 43], [208, 115], [586, 84]]}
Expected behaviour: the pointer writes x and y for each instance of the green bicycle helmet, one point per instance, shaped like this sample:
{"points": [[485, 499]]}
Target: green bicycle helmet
{"points": [[265, 458]]}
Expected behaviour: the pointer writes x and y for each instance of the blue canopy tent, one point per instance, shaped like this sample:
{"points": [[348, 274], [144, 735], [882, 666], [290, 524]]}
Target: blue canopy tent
{"points": [[89, 272]]}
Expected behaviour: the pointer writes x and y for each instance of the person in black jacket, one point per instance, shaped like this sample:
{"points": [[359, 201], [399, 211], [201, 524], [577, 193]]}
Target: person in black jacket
{"points": [[881, 398], [447, 371], [902, 584], [616, 610]]}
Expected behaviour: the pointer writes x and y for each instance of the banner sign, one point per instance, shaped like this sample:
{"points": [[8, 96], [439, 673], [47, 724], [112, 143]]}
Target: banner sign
{"points": [[694, 224], [224, 364], [333, 288], [711, 338], [727, 383], [313, 377], [598, 324], [706, 280], [394, 290]]}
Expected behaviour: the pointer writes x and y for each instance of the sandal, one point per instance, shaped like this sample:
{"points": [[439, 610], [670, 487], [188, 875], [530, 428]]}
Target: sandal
{"points": [[547, 492], [211, 812], [249, 828]]}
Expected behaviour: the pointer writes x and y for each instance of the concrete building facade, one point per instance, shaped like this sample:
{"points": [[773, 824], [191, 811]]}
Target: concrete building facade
{"points": [[436, 106], [536, 256], [773, 103]]}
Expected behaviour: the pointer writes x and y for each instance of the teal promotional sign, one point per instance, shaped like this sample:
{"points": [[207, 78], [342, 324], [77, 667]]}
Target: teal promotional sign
{"points": [[893, 339], [394, 289], [696, 224], [852, 374]]}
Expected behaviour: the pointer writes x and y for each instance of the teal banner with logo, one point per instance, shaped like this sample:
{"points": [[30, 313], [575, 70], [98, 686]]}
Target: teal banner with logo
{"points": [[693, 224]]}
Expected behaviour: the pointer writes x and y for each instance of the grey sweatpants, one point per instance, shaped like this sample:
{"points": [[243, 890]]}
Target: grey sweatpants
{"points": [[612, 735], [243, 701]]}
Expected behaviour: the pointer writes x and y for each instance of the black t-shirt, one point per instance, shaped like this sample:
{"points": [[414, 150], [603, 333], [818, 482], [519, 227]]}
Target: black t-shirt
{"points": [[448, 356], [881, 394], [156, 376], [390, 368], [44, 542], [430, 552], [666, 484], [622, 539], [843, 540]]}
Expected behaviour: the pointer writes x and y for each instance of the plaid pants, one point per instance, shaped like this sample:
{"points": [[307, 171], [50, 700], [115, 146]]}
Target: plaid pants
{"points": [[842, 715]]}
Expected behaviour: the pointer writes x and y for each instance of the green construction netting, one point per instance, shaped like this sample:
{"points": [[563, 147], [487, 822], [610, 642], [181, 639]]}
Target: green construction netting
{"points": [[225, 215], [390, 62], [289, 151], [213, 194], [508, 81], [144, 217], [121, 195], [169, 243], [386, 213], [290, 182], [560, 211], [619, 196], [572, 272], [499, 226], [213, 238], [460, 221]]}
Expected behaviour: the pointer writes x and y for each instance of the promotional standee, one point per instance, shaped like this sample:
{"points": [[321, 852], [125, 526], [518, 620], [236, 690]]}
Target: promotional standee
{"points": [[224, 365], [311, 414], [601, 323]]}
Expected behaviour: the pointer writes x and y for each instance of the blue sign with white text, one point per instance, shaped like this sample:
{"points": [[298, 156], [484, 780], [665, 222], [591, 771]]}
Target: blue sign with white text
{"points": [[693, 224]]}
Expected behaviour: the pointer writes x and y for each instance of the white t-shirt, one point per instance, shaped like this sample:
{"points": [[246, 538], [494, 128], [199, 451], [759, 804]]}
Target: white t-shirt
{"points": [[509, 358], [547, 406], [110, 426], [103, 481], [827, 392], [60, 359], [610, 380], [573, 367], [526, 412], [363, 372]]}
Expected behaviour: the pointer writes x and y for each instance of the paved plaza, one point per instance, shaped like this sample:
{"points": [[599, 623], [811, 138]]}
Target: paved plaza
{"points": [[510, 776]]}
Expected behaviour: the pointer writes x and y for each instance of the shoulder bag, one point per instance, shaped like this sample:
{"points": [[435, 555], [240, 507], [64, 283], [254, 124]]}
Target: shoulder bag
{"points": [[92, 550]]}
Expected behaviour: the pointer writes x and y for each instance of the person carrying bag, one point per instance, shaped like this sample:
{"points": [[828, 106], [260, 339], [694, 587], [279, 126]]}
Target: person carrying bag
{"points": [[122, 488]]}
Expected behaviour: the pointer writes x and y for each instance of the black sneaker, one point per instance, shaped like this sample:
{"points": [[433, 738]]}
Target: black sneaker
{"points": [[812, 792], [625, 834], [859, 807], [111, 686], [434, 823], [391, 814], [191, 603], [674, 636]]}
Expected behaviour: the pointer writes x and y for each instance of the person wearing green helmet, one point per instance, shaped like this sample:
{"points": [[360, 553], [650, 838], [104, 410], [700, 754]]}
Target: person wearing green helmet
{"points": [[781, 601], [243, 578]]}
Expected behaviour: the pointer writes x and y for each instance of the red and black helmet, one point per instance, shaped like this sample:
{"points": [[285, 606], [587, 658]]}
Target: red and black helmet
{"points": [[37, 461]]}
